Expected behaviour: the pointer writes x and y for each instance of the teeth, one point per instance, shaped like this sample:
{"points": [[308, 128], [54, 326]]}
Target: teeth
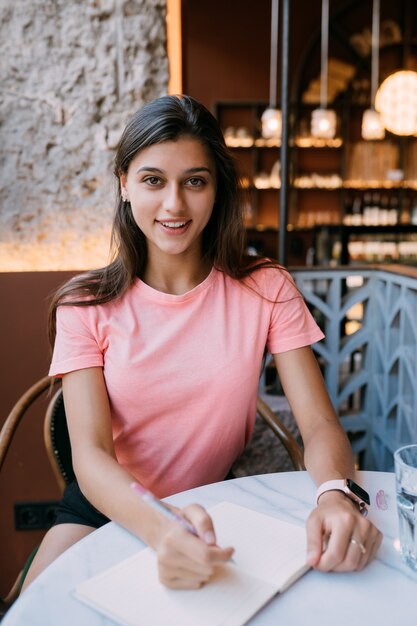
{"points": [[173, 224]]}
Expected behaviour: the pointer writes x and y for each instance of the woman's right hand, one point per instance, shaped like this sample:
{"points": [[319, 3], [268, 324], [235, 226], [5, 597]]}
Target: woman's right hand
{"points": [[186, 561]]}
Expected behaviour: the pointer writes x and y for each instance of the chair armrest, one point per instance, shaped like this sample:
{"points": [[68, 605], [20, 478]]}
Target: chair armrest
{"points": [[281, 431]]}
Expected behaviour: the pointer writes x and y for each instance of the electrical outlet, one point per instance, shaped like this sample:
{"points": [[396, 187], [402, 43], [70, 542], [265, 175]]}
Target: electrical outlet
{"points": [[34, 515]]}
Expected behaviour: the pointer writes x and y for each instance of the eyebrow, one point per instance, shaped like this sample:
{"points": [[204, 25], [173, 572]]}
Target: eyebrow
{"points": [[191, 170]]}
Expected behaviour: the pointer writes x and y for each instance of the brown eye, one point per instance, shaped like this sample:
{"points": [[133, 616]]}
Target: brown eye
{"points": [[152, 180], [195, 182]]}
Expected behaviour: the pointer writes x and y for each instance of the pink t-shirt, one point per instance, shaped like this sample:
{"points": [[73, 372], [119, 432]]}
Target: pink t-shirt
{"points": [[182, 372]]}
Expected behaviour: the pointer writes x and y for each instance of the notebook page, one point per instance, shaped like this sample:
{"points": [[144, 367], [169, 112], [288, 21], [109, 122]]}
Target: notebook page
{"points": [[131, 594], [268, 554], [265, 547]]}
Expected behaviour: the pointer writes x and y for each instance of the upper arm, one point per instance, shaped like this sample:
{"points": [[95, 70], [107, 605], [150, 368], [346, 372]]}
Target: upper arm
{"points": [[305, 389], [88, 411]]}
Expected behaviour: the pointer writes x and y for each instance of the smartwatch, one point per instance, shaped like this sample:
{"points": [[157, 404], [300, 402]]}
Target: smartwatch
{"points": [[351, 489]]}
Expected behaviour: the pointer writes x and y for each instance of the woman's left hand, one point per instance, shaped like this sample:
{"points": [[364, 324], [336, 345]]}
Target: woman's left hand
{"points": [[339, 538]]}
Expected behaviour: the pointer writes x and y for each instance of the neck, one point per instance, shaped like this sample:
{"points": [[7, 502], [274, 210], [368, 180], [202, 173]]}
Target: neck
{"points": [[176, 276]]}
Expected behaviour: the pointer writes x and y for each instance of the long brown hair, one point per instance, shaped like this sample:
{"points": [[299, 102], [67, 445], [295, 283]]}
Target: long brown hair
{"points": [[165, 119]]}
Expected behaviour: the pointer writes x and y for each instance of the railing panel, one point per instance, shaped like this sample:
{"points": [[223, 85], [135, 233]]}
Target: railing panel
{"points": [[369, 354]]}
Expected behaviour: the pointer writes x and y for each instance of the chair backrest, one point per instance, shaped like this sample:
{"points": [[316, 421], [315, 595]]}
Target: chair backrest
{"points": [[57, 441], [281, 431], [57, 444], [56, 436]]}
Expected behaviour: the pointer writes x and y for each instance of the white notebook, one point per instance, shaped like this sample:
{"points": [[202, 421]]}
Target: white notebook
{"points": [[269, 556]]}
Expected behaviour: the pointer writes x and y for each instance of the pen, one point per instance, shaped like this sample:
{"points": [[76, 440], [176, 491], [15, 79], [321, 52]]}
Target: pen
{"points": [[153, 501]]}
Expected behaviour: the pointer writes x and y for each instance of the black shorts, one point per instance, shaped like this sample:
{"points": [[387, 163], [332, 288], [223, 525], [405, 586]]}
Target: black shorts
{"points": [[74, 508]]}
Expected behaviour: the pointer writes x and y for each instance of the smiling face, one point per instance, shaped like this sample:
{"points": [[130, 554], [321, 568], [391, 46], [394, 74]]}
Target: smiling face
{"points": [[171, 187]]}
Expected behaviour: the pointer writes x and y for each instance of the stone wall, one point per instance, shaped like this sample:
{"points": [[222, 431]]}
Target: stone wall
{"points": [[72, 73]]}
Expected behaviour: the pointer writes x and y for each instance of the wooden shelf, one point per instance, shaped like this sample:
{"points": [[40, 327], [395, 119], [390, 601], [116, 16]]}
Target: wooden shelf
{"points": [[304, 143], [325, 180]]}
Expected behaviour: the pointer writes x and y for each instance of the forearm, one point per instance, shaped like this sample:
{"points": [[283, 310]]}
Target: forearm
{"points": [[327, 451], [106, 484], [328, 454], [102, 479]]}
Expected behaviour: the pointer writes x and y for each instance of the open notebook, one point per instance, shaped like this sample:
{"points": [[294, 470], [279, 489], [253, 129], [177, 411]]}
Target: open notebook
{"points": [[269, 556]]}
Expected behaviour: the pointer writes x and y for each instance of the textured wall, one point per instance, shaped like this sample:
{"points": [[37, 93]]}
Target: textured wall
{"points": [[72, 72]]}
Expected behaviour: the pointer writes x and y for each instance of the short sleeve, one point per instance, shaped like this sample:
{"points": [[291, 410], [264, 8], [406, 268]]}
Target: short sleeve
{"points": [[76, 346], [291, 325]]}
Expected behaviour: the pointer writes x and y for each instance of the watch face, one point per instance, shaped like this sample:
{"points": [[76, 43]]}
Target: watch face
{"points": [[358, 491]]}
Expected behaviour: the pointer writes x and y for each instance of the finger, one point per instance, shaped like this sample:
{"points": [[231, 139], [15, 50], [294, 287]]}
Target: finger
{"points": [[366, 538], [202, 522], [184, 576], [336, 550], [377, 542], [171, 562], [361, 548], [372, 545], [181, 580], [179, 547], [192, 555], [178, 571], [356, 556], [340, 553], [315, 539], [179, 583]]}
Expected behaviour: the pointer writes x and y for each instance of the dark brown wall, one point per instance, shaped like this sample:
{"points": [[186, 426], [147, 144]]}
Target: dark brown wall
{"points": [[226, 43], [227, 46], [26, 475]]}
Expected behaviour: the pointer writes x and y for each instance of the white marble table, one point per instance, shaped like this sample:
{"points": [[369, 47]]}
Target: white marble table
{"points": [[385, 593]]}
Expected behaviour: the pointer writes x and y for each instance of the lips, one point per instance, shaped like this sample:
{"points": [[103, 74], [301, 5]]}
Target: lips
{"points": [[174, 224], [174, 227]]}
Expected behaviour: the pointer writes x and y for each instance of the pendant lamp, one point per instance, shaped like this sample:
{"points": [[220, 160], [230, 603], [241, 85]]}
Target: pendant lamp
{"points": [[271, 118], [396, 100], [323, 120], [372, 126]]}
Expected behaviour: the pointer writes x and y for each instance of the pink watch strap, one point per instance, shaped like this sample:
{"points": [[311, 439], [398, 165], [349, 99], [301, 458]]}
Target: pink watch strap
{"points": [[331, 485], [341, 485]]}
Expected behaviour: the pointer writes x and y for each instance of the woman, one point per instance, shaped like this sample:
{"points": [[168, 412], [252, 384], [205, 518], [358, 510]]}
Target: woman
{"points": [[160, 354]]}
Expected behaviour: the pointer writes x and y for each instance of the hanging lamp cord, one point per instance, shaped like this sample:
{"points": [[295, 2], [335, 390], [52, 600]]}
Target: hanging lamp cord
{"points": [[273, 65], [375, 50], [324, 52]]}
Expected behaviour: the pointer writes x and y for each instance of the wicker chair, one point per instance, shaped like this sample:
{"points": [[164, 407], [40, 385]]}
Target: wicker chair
{"points": [[287, 439], [57, 445]]}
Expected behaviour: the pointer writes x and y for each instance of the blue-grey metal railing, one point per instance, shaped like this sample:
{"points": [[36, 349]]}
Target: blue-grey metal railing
{"points": [[369, 354]]}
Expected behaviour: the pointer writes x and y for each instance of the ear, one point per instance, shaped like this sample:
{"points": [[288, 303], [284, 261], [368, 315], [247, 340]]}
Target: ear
{"points": [[123, 187]]}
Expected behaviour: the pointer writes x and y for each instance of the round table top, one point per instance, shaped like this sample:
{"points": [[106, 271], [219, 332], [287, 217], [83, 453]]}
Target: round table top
{"points": [[383, 593]]}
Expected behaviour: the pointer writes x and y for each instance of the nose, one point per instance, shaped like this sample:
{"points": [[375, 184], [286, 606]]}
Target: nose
{"points": [[173, 198]]}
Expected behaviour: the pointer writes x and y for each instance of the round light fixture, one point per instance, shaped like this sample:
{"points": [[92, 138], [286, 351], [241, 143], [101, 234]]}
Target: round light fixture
{"points": [[396, 101], [271, 124], [323, 123], [372, 126]]}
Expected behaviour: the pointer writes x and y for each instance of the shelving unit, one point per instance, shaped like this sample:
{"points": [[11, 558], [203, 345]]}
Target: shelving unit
{"points": [[334, 215]]}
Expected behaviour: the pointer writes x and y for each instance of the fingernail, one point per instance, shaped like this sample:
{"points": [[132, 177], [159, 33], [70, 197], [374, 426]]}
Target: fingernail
{"points": [[209, 537], [311, 556]]}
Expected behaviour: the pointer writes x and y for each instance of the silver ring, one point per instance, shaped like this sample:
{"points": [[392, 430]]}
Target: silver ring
{"points": [[359, 545]]}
